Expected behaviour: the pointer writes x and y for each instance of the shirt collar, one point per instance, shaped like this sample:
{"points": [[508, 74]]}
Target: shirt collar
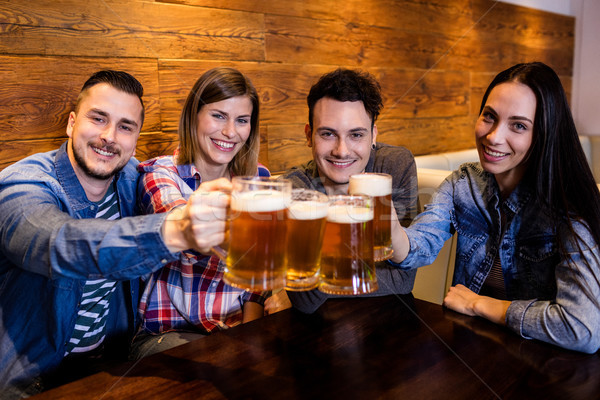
{"points": [[188, 172], [519, 197]]}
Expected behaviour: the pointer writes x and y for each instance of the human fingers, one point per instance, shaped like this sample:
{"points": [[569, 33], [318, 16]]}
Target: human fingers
{"points": [[221, 184], [277, 302], [207, 235], [207, 206], [460, 299]]}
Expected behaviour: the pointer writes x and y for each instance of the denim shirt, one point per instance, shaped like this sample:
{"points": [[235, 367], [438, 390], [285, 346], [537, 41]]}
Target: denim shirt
{"points": [[552, 299], [47, 253]]}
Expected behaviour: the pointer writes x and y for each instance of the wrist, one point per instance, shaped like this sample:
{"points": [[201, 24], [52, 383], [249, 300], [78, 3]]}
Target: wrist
{"points": [[492, 309], [173, 230]]}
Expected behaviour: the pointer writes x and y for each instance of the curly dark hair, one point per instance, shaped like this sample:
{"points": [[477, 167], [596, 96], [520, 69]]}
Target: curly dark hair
{"points": [[347, 85]]}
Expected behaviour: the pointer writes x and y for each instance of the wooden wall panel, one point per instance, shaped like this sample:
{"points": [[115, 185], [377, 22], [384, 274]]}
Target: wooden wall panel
{"points": [[14, 150], [408, 15], [474, 54], [423, 93], [38, 93], [287, 146], [281, 89], [524, 25], [130, 29], [291, 39], [429, 135], [152, 144], [433, 59]]}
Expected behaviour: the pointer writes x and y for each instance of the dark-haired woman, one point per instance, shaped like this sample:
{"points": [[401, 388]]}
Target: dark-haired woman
{"points": [[527, 217]]}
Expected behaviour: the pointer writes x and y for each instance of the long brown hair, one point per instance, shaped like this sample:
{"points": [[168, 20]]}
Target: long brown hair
{"points": [[215, 85]]}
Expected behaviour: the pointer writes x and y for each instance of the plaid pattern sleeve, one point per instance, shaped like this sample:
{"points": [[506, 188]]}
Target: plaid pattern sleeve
{"points": [[188, 294], [162, 189]]}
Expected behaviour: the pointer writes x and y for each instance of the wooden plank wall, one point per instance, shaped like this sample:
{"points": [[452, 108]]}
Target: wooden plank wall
{"points": [[433, 58]]}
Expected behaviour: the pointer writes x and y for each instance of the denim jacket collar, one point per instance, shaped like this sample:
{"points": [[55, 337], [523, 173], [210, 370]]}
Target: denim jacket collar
{"points": [[519, 197], [69, 181], [75, 193]]}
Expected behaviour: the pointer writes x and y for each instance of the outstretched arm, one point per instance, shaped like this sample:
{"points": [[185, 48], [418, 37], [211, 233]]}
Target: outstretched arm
{"points": [[400, 242]]}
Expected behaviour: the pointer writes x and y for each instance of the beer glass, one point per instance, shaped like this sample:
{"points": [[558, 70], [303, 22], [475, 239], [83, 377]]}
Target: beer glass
{"points": [[255, 259], [379, 186], [347, 265], [307, 214]]}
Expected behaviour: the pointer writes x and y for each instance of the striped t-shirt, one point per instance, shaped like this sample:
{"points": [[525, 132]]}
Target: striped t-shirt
{"points": [[89, 332], [494, 283]]}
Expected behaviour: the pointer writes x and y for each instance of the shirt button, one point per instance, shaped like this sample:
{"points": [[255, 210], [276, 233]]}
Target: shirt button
{"points": [[163, 261]]}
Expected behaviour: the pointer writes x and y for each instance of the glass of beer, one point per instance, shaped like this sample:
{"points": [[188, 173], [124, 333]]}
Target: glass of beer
{"points": [[379, 186], [307, 214], [255, 259], [347, 265]]}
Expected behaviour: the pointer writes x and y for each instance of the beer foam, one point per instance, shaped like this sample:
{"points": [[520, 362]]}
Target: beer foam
{"points": [[371, 185], [260, 201], [348, 214], [307, 210]]}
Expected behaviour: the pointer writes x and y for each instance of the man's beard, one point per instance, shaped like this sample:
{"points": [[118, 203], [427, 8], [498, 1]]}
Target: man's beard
{"points": [[92, 174]]}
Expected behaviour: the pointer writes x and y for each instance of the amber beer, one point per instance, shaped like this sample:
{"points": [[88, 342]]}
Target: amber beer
{"points": [[379, 186], [307, 214], [257, 232], [347, 265]]}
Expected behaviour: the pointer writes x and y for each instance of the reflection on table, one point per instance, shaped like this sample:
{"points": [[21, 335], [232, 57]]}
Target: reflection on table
{"points": [[382, 347]]}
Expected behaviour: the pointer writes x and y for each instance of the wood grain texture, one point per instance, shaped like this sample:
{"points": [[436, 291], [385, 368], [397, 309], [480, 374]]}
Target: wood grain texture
{"points": [[287, 147], [386, 347], [449, 17], [15, 150], [433, 59], [152, 144], [281, 89], [429, 135], [535, 28], [292, 39], [37, 93], [130, 29]]}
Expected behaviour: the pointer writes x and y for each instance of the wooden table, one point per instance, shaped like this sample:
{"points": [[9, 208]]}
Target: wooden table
{"points": [[392, 347]]}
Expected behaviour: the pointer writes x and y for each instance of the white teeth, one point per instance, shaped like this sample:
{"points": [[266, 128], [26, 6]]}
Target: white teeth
{"points": [[341, 164], [224, 145], [103, 152], [494, 153]]}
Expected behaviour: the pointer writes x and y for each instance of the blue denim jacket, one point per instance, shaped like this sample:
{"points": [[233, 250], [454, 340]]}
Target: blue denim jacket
{"points": [[553, 300], [47, 253]]}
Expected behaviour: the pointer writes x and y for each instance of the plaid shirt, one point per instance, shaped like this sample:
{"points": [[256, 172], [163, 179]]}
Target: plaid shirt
{"points": [[188, 294]]}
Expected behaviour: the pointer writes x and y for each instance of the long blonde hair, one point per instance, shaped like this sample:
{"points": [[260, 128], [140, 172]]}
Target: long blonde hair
{"points": [[215, 85]]}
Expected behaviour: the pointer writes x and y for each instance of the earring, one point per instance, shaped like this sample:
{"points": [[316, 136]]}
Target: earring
{"points": [[373, 146]]}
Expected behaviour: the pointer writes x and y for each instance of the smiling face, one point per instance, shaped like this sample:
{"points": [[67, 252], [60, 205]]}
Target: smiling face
{"points": [[341, 141], [103, 133], [223, 128], [504, 133]]}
